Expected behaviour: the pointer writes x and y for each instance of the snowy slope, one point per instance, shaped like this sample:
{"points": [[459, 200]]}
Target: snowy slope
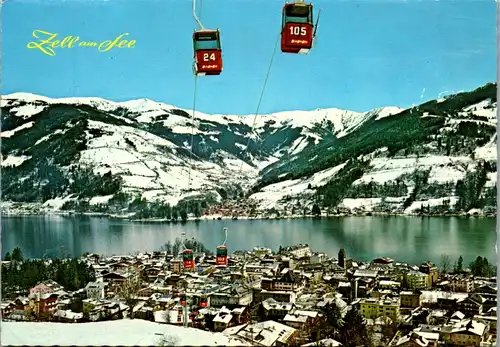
{"points": [[124, 332], [159, 151], [148, 144], [384, 168]]}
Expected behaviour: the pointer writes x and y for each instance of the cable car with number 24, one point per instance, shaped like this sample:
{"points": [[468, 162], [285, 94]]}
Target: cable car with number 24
{"points": [[297, 29], [207, 52]]}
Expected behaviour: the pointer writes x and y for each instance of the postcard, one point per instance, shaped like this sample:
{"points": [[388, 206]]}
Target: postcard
{"points": [[265, 173]]}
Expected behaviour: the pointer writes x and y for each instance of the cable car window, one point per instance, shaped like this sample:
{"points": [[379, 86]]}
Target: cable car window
{"points": [[206, 41], [297, 11], [206, 45], [298, 14]]}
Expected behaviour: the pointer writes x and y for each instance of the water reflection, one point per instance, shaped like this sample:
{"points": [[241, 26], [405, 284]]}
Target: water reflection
{"points": [[411, 239]]}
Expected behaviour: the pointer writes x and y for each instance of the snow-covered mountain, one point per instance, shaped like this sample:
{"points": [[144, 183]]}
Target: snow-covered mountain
{"points": [[100, 151]]}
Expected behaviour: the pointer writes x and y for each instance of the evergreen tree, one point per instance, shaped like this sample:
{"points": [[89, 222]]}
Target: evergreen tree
{"points": [[342, 256], [333, 320], [316, 211], [197, 209], [482, 268], [7, 257], [183, 214], [460, 264], [175, 214], [354, 332], [17, 254]]}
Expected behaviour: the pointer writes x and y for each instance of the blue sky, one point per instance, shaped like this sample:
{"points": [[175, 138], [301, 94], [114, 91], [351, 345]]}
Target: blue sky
{"points": [[368, 53]]}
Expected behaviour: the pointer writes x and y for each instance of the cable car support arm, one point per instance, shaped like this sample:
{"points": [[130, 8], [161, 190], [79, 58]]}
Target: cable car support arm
{"points": [[316, 25], [196, 17], [225, 240]]}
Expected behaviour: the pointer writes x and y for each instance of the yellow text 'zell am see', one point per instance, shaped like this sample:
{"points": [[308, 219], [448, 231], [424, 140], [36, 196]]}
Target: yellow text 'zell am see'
{"points": [[47, 42]]}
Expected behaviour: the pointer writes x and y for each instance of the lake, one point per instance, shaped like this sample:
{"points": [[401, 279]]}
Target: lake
{"points": [[409, 239]]}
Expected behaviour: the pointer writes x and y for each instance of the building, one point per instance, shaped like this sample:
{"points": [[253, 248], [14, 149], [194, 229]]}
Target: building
{"points": [[289, 281], [431, 271], [176, 265], [300, 318], [373, 308], [413, 340], [44, 303], [268, 333], [275, 310], [491, 318], [318, 258], [222, 319], [411, 299], [232, 296], [467, 332], [45, 287], [114, 278], [460, 283], [262, 251], [470, 306], [95, 290], [297, 251], [415, 280]]}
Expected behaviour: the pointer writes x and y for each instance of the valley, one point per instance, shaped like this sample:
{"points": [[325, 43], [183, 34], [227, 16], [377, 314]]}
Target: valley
{"points": [[145, 159]]}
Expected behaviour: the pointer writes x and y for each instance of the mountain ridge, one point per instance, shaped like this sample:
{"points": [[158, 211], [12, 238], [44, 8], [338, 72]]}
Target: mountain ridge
{"points": [[143, 147]]}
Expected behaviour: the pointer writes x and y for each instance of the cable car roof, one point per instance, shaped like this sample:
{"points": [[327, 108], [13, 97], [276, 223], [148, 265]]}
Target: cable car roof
{"points": [[298, 4], [202, 35]]}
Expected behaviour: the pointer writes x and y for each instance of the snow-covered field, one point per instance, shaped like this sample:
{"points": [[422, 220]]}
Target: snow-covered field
{"points": [[124, 332], [271, 195], [442, 169]]}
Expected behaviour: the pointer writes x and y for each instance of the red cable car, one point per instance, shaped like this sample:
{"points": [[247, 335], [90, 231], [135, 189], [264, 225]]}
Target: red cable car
{"points": [[207, 52], [297, 29], [204, 302], [188, 259], [183, 300], [221, 255]]}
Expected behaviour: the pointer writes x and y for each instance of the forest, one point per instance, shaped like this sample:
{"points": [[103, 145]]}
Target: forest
{"points": [[19, 274]]}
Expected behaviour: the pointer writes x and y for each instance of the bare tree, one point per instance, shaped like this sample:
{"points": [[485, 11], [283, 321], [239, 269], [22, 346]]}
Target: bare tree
{"points": [[445, 263], [166, 316], [129, 288], [176, 246]]}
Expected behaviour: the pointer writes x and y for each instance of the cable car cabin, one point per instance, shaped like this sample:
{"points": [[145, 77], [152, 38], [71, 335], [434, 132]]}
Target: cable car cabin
{"points": [[183, 300], [221, 255], [297, 28], [204, 302], [207, 52], [188, 259]]}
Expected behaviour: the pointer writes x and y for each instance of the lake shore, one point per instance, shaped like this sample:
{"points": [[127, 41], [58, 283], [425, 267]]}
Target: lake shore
{"points": [[129, 217]]}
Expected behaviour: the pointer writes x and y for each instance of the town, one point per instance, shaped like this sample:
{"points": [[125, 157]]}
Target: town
{"points": [[292, 296]]}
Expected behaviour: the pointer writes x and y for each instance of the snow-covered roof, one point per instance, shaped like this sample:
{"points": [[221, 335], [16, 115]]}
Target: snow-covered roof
{"points": [[324, 342]]}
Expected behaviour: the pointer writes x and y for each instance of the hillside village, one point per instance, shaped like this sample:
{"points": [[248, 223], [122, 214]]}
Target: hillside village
{"points": [[293, 297]]}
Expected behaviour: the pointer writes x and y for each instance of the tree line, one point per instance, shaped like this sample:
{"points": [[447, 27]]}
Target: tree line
{"points": [[19, 274], [471, 190], [173, 248], [479, 267]]}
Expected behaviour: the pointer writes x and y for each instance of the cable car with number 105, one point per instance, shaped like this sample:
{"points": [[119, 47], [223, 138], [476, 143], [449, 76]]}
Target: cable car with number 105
{"points": [[297, 29], [207, 52]]}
